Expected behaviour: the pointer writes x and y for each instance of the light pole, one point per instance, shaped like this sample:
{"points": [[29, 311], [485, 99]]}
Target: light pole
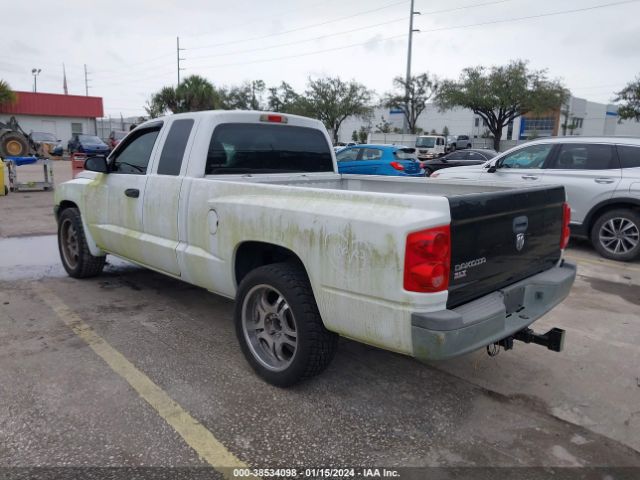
{"points": [[412, 12], [35, 72]]}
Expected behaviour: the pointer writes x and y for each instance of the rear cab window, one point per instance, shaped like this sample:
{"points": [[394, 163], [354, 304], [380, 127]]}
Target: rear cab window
{"points": [[247, 148]]}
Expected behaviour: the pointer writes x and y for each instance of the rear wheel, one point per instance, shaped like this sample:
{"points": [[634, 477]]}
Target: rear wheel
{"points": [[616, 235], [279, 327], [74, 251], [13, 145], [428, 171]]}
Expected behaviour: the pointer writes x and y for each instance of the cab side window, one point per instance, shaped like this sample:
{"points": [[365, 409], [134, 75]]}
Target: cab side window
{"points": [[174, 146], [533, 156], [585, 156], [133, 156]]}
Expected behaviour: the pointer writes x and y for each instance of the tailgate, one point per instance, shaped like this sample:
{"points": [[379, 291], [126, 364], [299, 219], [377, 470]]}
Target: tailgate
{"points": [[499, 238]]}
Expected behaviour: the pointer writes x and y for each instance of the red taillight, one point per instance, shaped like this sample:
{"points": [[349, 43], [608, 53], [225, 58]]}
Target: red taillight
{"points": [[397, 166], [273, 118], [566, 230], [427, 260]]}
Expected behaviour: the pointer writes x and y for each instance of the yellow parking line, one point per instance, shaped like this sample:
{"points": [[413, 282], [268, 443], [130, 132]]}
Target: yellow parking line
{"points": [[193, 432], [603, 263]]}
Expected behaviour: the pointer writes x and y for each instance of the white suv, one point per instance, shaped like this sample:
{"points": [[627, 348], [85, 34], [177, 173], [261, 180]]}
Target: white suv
{"points": [[601, 176]]}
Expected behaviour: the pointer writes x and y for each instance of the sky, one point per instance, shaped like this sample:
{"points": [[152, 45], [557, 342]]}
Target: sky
{"points": [[129, 47]]}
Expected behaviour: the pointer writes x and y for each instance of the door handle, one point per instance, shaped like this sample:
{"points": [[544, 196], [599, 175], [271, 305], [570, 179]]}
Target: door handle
{"points": [[530, 177], [132, 192], [604, 180]]}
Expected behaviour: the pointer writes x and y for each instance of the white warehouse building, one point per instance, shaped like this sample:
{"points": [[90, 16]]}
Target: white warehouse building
{"points": [[584, 118]]}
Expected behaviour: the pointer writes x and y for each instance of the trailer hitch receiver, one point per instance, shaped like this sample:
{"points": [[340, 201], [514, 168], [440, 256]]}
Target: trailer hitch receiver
{"points": [[553, 339]]}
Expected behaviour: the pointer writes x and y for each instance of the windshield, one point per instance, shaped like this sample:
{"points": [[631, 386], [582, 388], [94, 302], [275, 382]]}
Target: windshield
{"points": [[428, 142], [43, 137], [89, 139]]}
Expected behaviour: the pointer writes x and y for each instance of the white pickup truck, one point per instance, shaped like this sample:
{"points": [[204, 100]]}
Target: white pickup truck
{"points": [[248, 205]]}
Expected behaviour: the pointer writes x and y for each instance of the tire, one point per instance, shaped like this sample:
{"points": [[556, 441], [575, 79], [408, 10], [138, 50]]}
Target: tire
{"points": [[617, 230], [13, 145], [292, 343], [72, 245], [428, 172]]}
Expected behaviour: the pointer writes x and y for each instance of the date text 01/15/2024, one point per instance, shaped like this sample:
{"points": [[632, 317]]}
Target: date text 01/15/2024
{"points": [[330, 473]]}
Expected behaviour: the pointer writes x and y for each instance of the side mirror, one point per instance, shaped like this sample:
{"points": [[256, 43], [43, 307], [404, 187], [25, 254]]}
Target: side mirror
{"points": [[96, 164]]}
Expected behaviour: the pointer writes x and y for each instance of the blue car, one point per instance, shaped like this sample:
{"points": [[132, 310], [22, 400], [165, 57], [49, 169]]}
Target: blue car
{"points": [[379, 160], [89, 144]]}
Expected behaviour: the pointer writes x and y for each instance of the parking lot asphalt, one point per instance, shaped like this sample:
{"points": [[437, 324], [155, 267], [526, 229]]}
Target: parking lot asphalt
{"points": [[64, 403], [136, 369]]}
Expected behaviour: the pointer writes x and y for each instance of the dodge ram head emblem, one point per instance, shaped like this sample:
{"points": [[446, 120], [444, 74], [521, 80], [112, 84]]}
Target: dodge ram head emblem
{"points": [[520, 225]]}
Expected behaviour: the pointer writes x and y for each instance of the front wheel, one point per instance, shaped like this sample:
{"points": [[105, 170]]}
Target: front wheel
{"points": [[616, 235], [279, 327], [72, 244]]}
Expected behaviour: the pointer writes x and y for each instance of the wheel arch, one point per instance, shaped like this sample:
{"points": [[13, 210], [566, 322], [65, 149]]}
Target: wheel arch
{"points": [[605, 206], [250, 255], [93, 247]]}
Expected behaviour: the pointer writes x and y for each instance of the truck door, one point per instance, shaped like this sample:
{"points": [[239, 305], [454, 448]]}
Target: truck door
{"points": [[114, 201], [162, 198]]}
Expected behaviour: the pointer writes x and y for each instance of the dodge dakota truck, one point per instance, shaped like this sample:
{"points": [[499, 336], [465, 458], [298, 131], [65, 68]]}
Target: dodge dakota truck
{"points": [[248, 205]]}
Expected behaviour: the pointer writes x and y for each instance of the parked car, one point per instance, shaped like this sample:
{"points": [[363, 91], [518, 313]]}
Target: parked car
{"points": [[89, 144], [601, 176], [379, 160], [458, 158], [430, 146], [115, 137], [47, 142], [458, 142], [431, 271]]}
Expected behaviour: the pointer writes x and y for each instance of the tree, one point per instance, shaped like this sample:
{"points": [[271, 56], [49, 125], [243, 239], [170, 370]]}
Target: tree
{"points": [[363, 134], [6, 94], [282, 98], [332, 101], [384, 126], [247, 96], [630, 95], [412, 98], [194, 93], [445, 131], [354, 136], [501, 94]]}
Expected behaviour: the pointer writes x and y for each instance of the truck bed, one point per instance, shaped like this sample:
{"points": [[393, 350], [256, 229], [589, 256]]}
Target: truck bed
{"points": [[486, 220], [386, 184]]}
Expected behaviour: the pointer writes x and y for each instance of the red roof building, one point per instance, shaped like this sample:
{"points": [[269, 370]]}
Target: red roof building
{"points": [[61, 115], [54, 105]]}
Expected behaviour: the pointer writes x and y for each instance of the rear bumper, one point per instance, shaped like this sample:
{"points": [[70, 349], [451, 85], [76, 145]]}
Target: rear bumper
{"points": [[449, 333]]}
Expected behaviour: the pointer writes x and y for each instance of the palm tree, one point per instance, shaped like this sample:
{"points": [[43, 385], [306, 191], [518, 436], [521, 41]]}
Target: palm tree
{"points": [[6, 94], [194, 93]]}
